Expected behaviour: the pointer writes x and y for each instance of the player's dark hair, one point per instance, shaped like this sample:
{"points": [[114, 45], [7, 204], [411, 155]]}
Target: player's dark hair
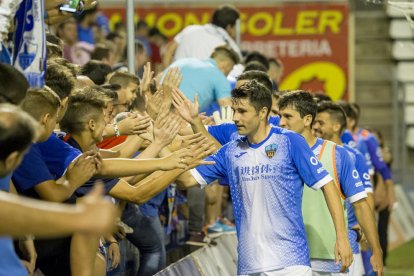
{"points": [[336, 113], [259, 76], [302, 101], [257, 94]]}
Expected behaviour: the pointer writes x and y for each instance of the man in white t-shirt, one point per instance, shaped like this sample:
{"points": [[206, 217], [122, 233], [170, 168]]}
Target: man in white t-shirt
{"points": [[199, 41]]}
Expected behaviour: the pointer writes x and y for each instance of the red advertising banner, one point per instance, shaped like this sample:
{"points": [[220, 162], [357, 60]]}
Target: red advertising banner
{"points": [[310, 39]]}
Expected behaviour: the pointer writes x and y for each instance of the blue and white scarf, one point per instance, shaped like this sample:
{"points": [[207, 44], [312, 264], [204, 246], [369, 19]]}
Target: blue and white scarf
{"points": [[8, 9], [29, 55]]}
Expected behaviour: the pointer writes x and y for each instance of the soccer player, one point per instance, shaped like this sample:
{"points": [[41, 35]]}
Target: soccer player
{"points": [[221, 134], [298, 110], [349, 139], [366, 142], [266, 170], [329, 124]]}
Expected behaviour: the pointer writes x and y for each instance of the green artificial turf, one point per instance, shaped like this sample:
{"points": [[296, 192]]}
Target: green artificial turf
{"points": [[400, 261]]}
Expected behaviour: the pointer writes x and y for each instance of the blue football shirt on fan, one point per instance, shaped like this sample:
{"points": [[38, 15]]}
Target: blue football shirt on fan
{"points": [[57, 154], [108, 183], [45, 161], [266, 184], [31, 172]]}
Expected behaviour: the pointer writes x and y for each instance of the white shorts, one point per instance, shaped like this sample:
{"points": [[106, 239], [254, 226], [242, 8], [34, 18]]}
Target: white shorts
{"points": [[357, 266], [296, 270], [317, 273]]}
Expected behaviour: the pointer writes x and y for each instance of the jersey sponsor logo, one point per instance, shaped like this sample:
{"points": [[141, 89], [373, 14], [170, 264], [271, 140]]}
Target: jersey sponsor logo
{"points": [[355, 174], [240, 154], [271, 150], [314, 161]]}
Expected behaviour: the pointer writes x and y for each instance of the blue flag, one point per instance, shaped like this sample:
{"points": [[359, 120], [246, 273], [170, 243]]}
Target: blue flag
{"points": [[29, 55]]}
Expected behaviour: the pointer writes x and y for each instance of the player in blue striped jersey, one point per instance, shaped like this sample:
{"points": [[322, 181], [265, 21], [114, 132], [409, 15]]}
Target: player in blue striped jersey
{"points": [[266, 170]]}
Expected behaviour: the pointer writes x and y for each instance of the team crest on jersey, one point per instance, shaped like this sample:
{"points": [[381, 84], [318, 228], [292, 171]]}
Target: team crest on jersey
{"points": [[271, 150]]}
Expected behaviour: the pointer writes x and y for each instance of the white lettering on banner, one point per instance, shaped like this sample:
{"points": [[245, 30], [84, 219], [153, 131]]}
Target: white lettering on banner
{"points": [[290, 48]]}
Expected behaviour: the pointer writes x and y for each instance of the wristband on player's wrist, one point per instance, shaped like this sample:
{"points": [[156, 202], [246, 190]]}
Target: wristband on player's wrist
{"points": [[359, 234]]}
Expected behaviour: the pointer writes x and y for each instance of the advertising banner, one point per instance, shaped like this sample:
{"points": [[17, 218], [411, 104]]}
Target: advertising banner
{"points": [[310, 39]]}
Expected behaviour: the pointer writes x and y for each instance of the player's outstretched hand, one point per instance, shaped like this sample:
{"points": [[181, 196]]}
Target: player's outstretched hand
{"points": [[201, 150], [343, 252], [99, 214], [187, 110]]}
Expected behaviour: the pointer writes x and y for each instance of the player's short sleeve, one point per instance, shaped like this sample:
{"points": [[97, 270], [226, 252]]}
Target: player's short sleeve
{"points": [[206, 174], [222, 87], [31, 172], [363, 171], [308, 166], [351, 184], [222, 133], [57, 155]]}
